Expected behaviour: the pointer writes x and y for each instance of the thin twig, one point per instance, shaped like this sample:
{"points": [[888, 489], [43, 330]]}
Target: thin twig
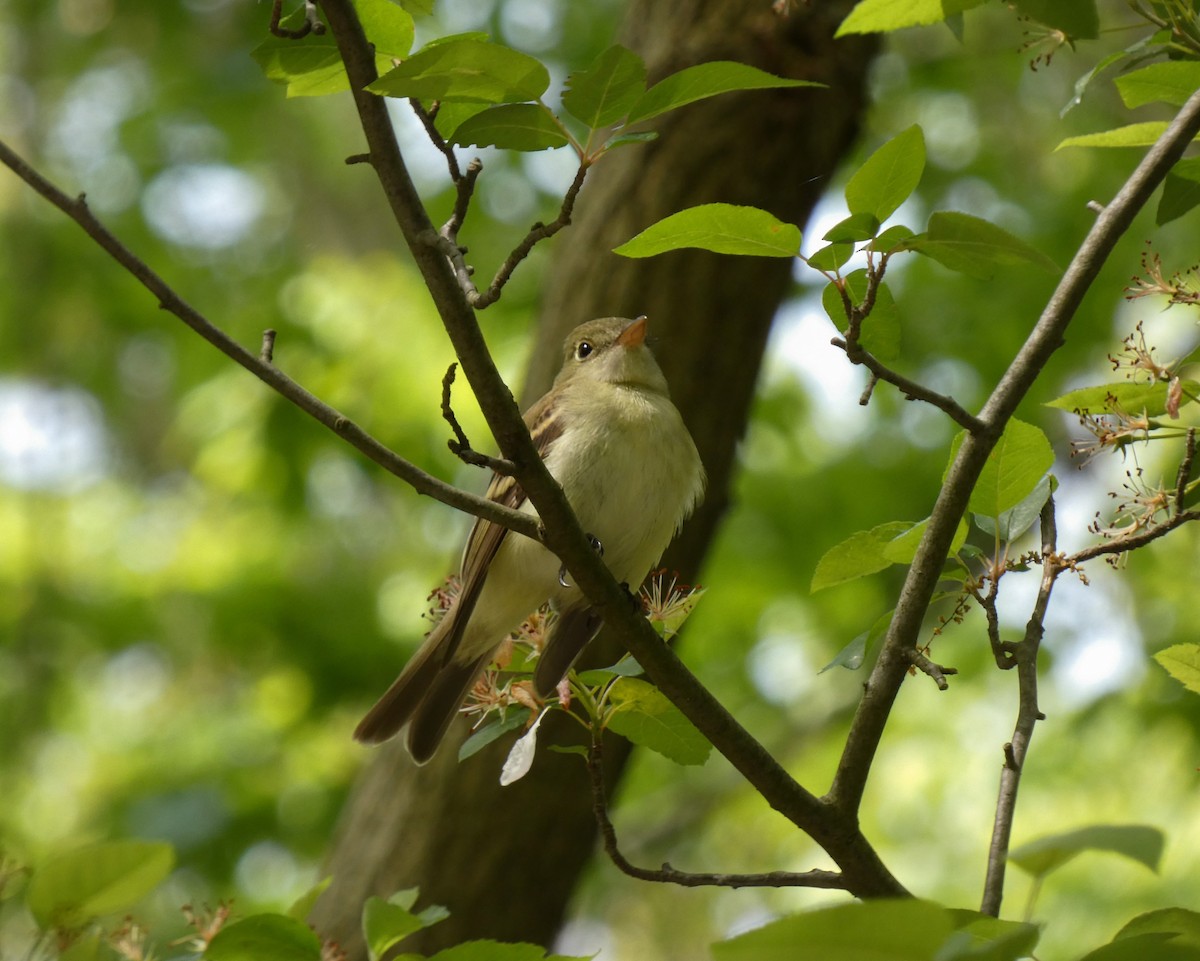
{"points": [[537, 233], [78, 210], [1131, 542], [1185, 469], [668, 875], [312, 22], [459, 444], [1025, 653], [1047, 336], [462, 201], [909, 388], [435, 137], [1002, 651]]}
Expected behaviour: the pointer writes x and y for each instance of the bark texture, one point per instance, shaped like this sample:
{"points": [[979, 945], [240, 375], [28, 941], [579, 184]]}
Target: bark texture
{"points": [[504, 860]]}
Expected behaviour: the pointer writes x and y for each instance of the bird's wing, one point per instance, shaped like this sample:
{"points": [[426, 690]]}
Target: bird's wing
{"points": [[545, 425]]}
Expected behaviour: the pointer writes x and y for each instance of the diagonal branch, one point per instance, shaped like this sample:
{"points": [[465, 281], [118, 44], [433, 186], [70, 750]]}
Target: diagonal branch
{"points": [[668, 875], [910, 388], [1025, 654], [1045, 338], [261, 366], [864, 873]]}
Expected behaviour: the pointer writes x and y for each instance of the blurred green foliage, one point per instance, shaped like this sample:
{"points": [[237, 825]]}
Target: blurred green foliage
{"points": [[200, 590]]}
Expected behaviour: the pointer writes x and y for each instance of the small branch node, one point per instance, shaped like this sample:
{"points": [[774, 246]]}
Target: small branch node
{"points": [[937, 672], [459, 444], [865, 397], [358, 158], [1010, 758], [1095, 206], [267, 352]]}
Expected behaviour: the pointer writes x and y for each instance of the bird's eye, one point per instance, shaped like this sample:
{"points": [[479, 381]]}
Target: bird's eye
{"points": [[583, 350]]}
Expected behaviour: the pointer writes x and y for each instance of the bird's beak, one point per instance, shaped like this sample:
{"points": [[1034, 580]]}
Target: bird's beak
{"points": [[635, 334]]}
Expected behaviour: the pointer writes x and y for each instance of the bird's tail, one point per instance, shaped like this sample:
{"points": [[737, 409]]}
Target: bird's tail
{"points": [[426, 696], [398, 704]]}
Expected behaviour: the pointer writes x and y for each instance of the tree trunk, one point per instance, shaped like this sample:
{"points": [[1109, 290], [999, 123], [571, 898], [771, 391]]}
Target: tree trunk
{"points": [[505, 860]]}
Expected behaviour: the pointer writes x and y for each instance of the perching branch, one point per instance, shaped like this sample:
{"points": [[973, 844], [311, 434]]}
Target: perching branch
{"points": [[1047, 335], [262, 366], [459, 444], [669, 875], [863, 872]]}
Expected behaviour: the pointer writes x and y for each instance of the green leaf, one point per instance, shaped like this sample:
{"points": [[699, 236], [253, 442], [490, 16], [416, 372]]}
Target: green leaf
{"points": [[706, 80], [1078, 19], [626, 139], [468, 69], [1013, 469], [888, 177], [881, 330], [974, 246], [857, 556], [265, 937], [883, 16], [512, 719], [1183, 924], [387, 923], [312, 66], [862, 226], [903, 548], [1136, 841], [1015, 521], [1131, 135], [831, 258], [607, 90], [302, 907], [721, 228], [1082, 84], [1171, 81], [643, 714], [876, 930], [512, 126], [1181, 190], [1182, 662], [855, 654], [422, 8], [891, 239], [1128, 396], [625, 667], [1151, 946], [97, 879], [980, 937]]}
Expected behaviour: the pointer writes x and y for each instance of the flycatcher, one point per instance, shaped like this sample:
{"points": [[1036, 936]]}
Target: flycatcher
{"points": [[609, 434]]}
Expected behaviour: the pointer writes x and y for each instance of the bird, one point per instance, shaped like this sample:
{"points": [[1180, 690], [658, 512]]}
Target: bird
{"points": [[610, 435]]}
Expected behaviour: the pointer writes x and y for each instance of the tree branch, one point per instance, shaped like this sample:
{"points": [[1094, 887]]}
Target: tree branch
{"points": [[911, 389], [688, 879], [261, 366], [459, 444], [1025, 655], [864, 874], [1045, 338]]}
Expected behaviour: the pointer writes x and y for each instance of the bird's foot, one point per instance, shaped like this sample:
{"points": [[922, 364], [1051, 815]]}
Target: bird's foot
{"points": [[596, 546]]}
